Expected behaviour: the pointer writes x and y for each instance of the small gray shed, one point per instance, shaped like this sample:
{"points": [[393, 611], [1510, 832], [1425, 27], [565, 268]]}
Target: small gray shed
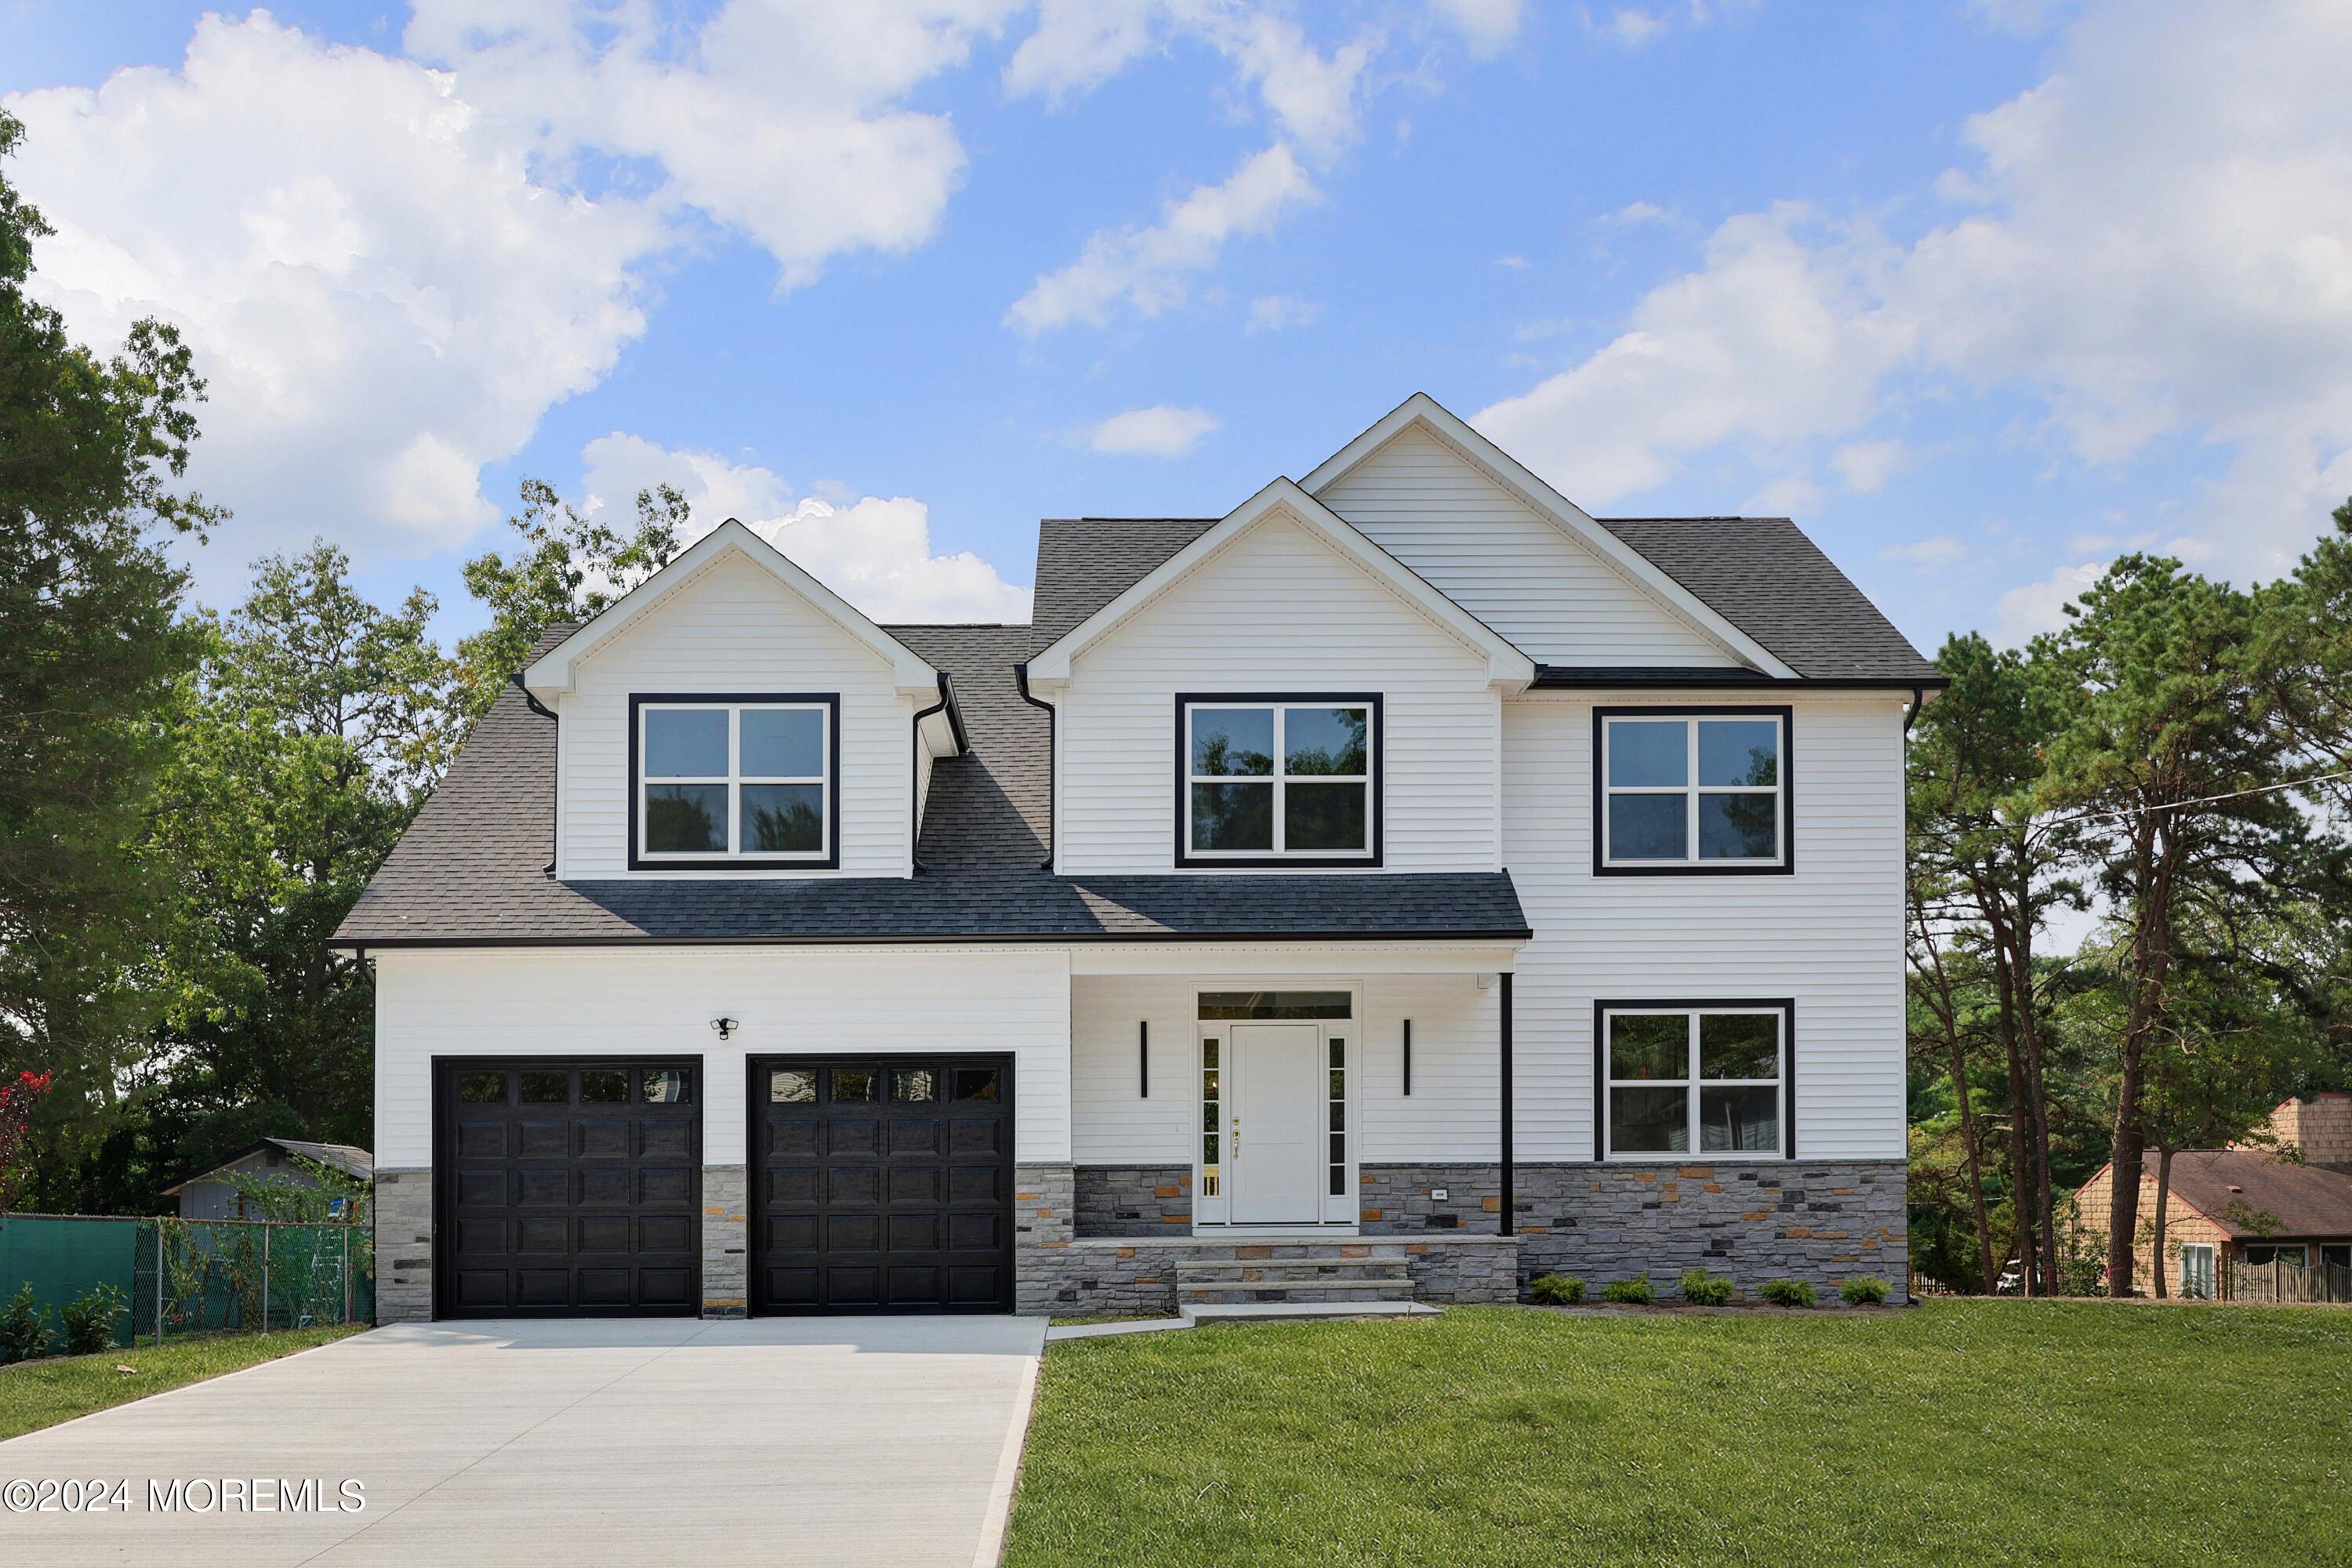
{"points": [[206, 1197]]}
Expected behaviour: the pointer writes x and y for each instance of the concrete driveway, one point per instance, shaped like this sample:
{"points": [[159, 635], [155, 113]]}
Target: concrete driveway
{"points": [[872, 1440]]}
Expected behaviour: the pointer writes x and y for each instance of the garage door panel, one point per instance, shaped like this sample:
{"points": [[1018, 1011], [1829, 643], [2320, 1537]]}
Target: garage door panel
{"points": [[604, 1233], [975, 1184], [671, 1187], [602, 1140], [561, 1209], [882, 1186], [544, 1139], [789, 1185], [846, 1184]]}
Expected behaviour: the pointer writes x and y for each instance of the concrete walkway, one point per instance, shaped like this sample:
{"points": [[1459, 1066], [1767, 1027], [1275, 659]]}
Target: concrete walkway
{"points": [[873, 1441]]}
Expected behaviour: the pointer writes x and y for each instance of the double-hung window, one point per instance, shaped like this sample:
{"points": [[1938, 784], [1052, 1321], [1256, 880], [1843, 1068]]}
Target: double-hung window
{"points": [[1703, 791], [728, 783], [1290, 779], [1707, 1078]]}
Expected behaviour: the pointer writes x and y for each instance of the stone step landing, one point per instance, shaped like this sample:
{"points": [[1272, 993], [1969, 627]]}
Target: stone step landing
{"points": [[1324, 1274]]}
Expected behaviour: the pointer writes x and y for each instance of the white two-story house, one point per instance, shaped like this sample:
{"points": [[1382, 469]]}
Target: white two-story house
{"points": [[1405, 885]]}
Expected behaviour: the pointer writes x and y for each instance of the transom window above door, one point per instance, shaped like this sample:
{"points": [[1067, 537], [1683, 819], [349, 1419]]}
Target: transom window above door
{"points": [[1288, 779], [734, 782], [1691, 791]]}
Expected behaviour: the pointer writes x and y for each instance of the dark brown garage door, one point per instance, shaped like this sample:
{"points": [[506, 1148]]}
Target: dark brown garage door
{"points": [[882, 1186], [567, 1188]]}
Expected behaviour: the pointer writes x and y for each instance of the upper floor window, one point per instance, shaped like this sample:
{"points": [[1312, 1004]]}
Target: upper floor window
{"points": [[733, 782], [1703, 791], [1294, 779]]}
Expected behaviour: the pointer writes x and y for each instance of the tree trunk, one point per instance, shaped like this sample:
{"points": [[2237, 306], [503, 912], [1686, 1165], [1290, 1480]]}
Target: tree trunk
{"points": [[2020, 1164], [2150, 957], [1976, 1171], [2163, 1203], [2021, 949]]}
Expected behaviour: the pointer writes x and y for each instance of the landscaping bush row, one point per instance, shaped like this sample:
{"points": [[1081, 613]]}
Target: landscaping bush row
{"points": [[1701, 1289], [87, 1322]]}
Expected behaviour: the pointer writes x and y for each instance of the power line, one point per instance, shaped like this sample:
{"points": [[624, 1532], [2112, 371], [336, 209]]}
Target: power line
{"points": [[2202, 800]]}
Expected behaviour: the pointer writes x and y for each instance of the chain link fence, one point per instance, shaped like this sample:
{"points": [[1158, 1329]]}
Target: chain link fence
{"points": [[194, 1277]]}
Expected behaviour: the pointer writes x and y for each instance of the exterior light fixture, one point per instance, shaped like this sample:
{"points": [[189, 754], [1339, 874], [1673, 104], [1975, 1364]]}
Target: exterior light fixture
{"points": [[725, 1027]]}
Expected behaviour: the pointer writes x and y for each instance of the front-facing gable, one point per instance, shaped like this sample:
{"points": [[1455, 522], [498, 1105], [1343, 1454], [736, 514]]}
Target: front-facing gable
{"points": [[731, 623], [1347, 554], [1468, 518]]}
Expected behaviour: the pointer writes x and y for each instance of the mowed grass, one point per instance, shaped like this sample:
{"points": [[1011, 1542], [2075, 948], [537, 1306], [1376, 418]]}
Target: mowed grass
{"points": [[38, 1393], [1956, 1433]]}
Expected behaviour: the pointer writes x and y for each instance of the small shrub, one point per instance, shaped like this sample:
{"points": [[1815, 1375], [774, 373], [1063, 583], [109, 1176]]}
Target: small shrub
{"points": [[1634, 1292], [1701, 1289], [1555, 1290], [1788, 1292], [1864, 1290], [24, 1328], [89, 1319]]}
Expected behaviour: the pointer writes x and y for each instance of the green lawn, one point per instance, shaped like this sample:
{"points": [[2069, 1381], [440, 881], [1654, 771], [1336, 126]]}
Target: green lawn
{"points": [[43, 1392], [1960, 1432]]}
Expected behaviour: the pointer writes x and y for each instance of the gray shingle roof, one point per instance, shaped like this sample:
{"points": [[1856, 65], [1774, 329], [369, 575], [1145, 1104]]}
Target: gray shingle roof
{"points": [[472, 867], [1764, 576]]}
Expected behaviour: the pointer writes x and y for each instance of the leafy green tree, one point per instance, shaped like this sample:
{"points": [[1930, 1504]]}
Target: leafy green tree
{"points": [[568, 568], [306, 740], [1987, 869], [2172, 731], [92, 452]]}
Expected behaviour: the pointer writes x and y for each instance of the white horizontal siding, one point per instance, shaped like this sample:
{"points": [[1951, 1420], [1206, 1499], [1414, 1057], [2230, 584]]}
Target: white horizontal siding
{"points": [[1279, 610], [659, 1001], [734, 628], [1829, 935], [1491, 554], [1451, 1114]]}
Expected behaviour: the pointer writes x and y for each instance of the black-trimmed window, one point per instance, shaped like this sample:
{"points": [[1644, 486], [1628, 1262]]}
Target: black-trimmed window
{"points": [[734, 782], [1281, 778], [1683, 790], [1710, 1079]]}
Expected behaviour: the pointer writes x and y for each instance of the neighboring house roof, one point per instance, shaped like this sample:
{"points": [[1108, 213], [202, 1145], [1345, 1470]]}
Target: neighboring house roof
{"points": [[1284, 499], [2255, 1195], [472, 868], [348, 1158]]}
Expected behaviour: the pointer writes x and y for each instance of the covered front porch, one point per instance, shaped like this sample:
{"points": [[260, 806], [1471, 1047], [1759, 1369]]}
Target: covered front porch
{"points": [[1299, 1121]]}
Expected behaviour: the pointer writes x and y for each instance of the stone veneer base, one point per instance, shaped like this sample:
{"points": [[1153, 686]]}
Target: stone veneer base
{"points": [[1127, 1200], [404, 1245], [726, 1233], [1819, 1220]]}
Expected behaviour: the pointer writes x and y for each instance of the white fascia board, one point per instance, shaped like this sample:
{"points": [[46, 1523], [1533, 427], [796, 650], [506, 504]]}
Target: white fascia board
{"points": [[1304, 961], [1505, 665], [1563, 514], [552, 673]]}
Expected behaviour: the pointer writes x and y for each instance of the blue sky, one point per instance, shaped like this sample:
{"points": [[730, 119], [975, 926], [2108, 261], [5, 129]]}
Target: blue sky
{"points": [[1982, 294]]}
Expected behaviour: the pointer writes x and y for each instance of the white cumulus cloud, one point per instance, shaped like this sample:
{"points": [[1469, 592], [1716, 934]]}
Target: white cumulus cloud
{"points": [[874, 552], [1157, 432], [2031, 608], [1148, 269]]}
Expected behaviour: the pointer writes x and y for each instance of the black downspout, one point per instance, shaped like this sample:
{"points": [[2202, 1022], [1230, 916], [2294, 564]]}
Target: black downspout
{"points": [[1506, 1226], [554, 795], [1053, 716], [915, 774], [1911, 716]]}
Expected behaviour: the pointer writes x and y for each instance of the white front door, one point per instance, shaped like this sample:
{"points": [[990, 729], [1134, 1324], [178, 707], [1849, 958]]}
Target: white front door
{"points": [[2196, 1272], [1279, 1097]]}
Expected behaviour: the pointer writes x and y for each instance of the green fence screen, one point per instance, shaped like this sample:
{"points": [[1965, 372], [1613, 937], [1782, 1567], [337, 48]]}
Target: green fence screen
{"points": [[192, 1276]]}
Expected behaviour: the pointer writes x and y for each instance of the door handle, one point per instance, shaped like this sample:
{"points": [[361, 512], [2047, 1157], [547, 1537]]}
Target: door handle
{"points": [[1237, 1138]]}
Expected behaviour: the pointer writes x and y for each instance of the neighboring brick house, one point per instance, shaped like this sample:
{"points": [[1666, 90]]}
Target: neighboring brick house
{"points": [[1403, 885], [2249, 1204]]}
